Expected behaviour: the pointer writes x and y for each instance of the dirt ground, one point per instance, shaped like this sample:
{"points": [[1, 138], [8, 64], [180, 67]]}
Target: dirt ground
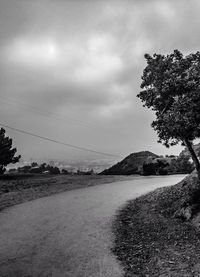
{"points": [[151, 241]]}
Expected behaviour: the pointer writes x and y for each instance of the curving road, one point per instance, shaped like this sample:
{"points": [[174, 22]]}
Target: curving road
{"points": [[68, 234]]}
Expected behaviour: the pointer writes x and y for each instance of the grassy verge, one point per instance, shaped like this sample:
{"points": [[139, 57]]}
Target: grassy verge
{"points": [[21, 188], [151, 238]]}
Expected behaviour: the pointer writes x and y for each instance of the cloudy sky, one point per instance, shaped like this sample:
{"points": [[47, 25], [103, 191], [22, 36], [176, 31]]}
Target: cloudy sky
{"points": [[70, 71]]}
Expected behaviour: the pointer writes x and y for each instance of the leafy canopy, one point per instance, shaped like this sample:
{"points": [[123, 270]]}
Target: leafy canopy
{"points": [[7, 153], [171, 88]]}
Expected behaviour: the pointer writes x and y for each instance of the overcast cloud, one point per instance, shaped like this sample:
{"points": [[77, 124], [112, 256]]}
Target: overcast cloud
{"points": [[82, 60]]}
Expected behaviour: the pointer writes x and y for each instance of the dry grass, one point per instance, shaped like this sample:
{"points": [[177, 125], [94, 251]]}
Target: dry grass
{"points": [[150, 241], [21, 188]]}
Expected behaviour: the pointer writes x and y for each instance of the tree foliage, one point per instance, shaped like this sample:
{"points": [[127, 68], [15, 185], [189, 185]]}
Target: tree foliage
{"points": [[7, 153], [171, 87], [158, 167], [181, 165]]}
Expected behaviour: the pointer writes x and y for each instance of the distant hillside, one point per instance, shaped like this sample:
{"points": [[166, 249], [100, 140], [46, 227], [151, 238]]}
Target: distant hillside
{"points": [[131, 164]]}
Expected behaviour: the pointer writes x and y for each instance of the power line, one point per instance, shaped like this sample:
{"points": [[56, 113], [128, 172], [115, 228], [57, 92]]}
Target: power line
{"points": [[47, 113], [59, 142]]}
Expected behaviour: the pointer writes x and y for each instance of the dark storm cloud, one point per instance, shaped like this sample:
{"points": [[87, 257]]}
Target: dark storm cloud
{"points": [[85, 58]]}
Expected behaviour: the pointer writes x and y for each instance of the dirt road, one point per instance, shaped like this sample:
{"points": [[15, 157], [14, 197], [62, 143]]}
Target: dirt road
{"points": [[68, 234]]}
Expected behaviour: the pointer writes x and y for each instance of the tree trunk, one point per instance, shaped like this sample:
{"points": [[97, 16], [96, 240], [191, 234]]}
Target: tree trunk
{"points": [[194, 156]]}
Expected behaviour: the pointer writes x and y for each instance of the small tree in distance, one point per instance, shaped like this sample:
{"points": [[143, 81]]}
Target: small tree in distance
{"points": [[7, 153], [171, 88]]}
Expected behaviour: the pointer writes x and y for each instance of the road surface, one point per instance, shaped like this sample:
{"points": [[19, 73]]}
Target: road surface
{"points": [[68, 234]]}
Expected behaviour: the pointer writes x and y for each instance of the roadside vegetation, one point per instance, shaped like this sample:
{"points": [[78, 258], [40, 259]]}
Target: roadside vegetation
{"points": [[158, 234], [169, 165]]}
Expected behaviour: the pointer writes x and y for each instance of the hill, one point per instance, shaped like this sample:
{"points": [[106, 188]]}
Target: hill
{"points": [[131, 164]]}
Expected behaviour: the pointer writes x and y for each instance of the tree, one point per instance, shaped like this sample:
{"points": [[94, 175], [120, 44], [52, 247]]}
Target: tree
{"points": [[171, 88], [34, 164], [149, 168], [181, 165], [7, 153], [65, 171], [156, 167], [53, 169]]}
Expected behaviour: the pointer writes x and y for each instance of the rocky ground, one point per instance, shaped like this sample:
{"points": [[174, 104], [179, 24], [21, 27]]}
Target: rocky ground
{"points": [[158, 234]]}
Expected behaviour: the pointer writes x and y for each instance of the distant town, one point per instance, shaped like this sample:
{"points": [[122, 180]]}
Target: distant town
{"points": [[60, 166]]}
